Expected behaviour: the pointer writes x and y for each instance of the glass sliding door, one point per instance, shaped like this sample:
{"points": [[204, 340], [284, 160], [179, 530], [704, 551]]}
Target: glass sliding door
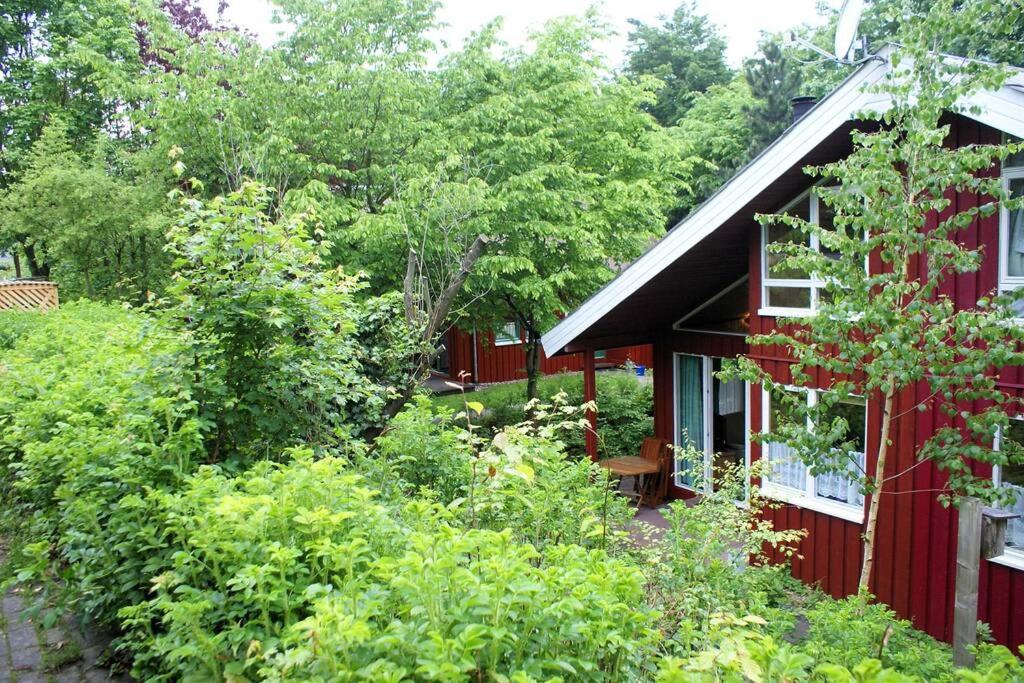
{"points": [[690, 425], [711, 419]]}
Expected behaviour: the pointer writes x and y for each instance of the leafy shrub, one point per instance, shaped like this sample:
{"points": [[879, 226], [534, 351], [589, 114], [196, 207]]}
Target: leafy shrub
{"points": [[739, 650], [846, 631], [526, 482], [294, 572], [95, 412], [270, 332], [699, 568], [625, 413], [13, 324], [625, 409], [423, 449]]}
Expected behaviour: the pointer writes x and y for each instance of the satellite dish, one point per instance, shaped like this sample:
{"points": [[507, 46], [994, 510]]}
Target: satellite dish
{"points": [[846, 27]]}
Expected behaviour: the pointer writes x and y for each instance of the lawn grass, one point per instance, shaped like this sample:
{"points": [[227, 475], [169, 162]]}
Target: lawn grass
{"points": [[510, 393]]}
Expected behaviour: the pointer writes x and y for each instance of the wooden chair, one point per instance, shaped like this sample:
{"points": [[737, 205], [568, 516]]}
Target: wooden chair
{"points": [[655, 488]]}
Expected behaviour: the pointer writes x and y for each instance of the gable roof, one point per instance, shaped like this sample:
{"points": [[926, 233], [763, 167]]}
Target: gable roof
{"points": [[1002, 109]]}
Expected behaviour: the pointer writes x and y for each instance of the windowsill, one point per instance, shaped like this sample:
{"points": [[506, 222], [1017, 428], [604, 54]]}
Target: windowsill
{"points": [[507, 343], [1013, 559], [802, 500], [776, 312]]}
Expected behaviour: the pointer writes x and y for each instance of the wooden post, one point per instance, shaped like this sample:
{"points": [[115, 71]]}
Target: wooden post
{"points": [[968, 560], [590, 394]]}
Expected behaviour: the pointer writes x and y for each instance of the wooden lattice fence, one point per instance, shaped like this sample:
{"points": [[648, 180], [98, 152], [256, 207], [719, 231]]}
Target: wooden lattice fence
{"points": [[28, 295]]}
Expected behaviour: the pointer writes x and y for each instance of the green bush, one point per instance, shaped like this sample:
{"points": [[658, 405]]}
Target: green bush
{"points": [[95, 413], [846, 631], [625, 408], [526, 482], [294, 572], [700, 567], [13, 324], [271, 334], [422, 449]]}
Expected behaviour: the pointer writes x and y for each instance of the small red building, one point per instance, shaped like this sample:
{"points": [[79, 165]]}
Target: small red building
{"points": [[483, 357], [697, 293]]}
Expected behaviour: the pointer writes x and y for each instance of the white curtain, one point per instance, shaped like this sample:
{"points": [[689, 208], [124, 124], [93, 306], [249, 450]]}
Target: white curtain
{"points": [[785, 468], [730, 397]]}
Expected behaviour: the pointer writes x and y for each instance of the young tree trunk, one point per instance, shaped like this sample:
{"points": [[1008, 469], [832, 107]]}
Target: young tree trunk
{"points": [[429, 317], [871, 526], [17, 262], [532, 362]]}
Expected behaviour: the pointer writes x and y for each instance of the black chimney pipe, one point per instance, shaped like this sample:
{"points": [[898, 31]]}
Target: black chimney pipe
{"points": [[801, 105]]}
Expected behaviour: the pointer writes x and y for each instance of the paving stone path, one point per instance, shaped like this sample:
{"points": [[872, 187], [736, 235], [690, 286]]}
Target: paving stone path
{"points": [[66, 653]]}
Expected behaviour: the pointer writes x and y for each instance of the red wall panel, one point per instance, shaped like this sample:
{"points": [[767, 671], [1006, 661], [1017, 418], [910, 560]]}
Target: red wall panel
{"points": [[507, 362]]}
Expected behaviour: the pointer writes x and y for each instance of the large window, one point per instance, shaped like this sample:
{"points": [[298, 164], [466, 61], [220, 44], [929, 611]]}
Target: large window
{"points": [[1012, 478], [787, 290], [788, 478], [508, 334], [1011, 230]]}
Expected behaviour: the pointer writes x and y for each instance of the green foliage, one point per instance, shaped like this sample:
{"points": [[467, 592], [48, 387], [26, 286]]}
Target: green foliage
{"points": [[14, 324], [698, 569], [737, 651], [716, 129], [96, 412], [92, 221], [270, 330], [686, 53], [851, 630], [56, 55], [524, 481], [625, 414], [578, 175], [774, 79], [295, 572], [423, 449]]}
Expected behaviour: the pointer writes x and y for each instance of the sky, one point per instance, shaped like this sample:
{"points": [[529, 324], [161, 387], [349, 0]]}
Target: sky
{"points": [[741, 21]]}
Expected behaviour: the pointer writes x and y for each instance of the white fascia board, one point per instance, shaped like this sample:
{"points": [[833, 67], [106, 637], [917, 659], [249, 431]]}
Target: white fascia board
{"points": [[793, 145], [1002, 109]]}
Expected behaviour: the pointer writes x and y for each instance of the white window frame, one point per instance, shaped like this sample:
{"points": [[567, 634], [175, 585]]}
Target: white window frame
{"points": [[807, 496], [811, 283], [1011, 557], [509, 335], [1007, 283], [814, 283]]}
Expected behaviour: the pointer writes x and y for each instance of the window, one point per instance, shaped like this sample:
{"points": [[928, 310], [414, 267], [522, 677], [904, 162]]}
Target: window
{"points": [[508, 334], [1012, 477], [790, 479], [1011, 231], [787, 290]]}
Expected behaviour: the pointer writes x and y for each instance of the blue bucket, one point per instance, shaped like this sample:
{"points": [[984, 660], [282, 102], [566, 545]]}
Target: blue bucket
{"points": [[641, 370]]}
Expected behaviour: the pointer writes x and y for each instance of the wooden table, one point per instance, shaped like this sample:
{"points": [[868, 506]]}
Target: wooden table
{"points": [[629, 466], [632, 466]]}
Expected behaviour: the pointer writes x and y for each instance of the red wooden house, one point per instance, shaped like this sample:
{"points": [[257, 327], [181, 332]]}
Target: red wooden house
{"points": [[698, 292], [483, 357]]}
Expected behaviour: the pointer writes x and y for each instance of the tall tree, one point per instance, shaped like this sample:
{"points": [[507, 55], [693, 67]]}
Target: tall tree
{"points": [[578, 176], [94, 219], [715, 130], [685, 52], [53, 58], [774, 80], [882, 331]]}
